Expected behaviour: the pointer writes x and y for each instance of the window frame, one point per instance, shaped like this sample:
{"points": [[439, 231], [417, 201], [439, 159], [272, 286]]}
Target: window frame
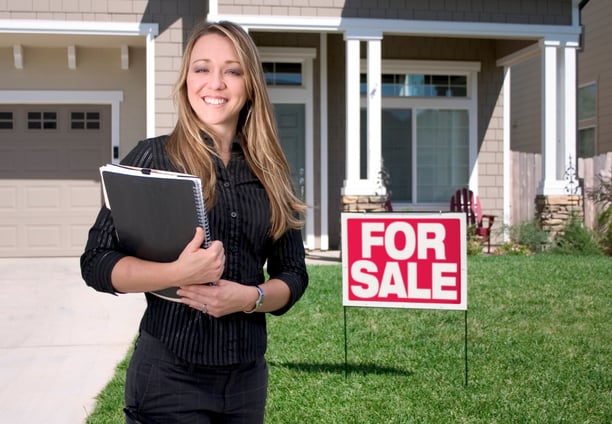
{"points": [[7, 120], [589, 122], [579, 100], [469, 103], [86, 120], [42, 120], [579, 140]]}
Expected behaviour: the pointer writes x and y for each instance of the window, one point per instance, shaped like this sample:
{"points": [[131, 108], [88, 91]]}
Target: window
{"points": [[441, 150], [396, 150], [85, 120], [6, 120], [420, 85], [42, 120], [587, 102], [428, 129], [587, 121], [442, 153], [282, 73], [586, 142]]}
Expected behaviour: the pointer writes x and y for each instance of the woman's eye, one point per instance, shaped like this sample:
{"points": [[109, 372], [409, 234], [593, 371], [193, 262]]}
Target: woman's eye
{"points": [[235, 72], [200, 70]]}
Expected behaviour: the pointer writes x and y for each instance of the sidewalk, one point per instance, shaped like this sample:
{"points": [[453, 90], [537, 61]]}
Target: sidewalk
{"points": [[60, 340], [323, 257]]}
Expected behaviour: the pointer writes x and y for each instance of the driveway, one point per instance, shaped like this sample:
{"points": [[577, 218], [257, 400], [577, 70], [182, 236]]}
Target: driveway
{"points": [[60, 340]]}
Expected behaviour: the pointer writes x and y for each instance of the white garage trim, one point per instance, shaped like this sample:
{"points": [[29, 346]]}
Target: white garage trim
{"points": [[96, 28], [112, 98], [42, 26]]}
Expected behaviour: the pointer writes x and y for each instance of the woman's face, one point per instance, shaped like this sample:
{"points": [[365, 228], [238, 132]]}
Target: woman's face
{"points": [[215, 83]]}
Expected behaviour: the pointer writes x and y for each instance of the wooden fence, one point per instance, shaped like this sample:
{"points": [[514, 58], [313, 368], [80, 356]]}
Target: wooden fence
{"points": [[588, 171], [526, 173]]}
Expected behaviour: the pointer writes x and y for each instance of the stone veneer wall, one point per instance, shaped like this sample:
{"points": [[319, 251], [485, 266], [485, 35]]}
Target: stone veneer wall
{"points": [[364, 203], [553, 212]]}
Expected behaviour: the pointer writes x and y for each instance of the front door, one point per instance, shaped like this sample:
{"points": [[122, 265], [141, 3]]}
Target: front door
{"points": [[289, 78]]}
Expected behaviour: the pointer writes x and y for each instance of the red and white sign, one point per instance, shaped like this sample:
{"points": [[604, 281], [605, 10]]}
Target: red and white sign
{"points": [[404, 260]]}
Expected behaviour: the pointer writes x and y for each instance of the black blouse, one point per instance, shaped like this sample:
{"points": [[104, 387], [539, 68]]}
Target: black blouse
{"points": [[241, 220]]}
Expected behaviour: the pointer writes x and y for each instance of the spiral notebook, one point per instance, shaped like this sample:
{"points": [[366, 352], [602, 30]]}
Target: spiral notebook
{"points": [[155, 212]]}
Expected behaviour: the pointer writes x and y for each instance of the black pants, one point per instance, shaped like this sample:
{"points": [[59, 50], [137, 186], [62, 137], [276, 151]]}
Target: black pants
{"points": [[162, 389]]}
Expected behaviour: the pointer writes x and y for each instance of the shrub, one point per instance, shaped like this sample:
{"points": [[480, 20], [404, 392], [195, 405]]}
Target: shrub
{"points": [[603, 230], [525, 239], [576, 239], [513, 248], [474, 242], [602, 197], [530, 235]]}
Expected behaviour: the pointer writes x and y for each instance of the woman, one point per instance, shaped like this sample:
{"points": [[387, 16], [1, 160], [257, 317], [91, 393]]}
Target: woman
{"points": [[202, 360]]}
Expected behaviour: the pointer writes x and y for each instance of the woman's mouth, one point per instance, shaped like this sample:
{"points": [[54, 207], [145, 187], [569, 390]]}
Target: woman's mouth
{"points": [[215, 100]]}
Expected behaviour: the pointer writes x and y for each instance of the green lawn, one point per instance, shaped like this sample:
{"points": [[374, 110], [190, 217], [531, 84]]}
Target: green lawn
{"points": [[539, 351]]}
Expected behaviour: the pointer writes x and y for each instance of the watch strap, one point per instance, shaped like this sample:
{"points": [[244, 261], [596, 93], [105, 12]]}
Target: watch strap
{"points": [[258, 302]]}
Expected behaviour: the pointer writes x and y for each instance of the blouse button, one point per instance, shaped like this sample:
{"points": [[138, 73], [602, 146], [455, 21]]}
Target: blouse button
{"points": [[226, 184], [233, 214]]}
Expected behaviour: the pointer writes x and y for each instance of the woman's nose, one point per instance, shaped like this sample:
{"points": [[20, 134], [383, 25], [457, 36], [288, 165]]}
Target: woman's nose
{"points": [[216, 80]]}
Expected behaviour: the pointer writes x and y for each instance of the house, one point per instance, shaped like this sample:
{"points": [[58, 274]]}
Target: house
{"points": [[420, 89], [594, 122], [594, 144]]}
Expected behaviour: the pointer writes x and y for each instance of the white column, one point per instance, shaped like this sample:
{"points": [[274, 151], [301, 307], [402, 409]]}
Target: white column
{"points": [[550, 183], [558, 116], [507, 192], [353, 159], [324, 227], [374, 112], [570, 159]]}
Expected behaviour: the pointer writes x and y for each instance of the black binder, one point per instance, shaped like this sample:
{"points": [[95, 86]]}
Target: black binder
{"points": [[155, 212]]}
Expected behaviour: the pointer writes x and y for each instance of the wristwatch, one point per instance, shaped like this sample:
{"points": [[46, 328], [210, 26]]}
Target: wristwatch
{"points": [[258, 303]]}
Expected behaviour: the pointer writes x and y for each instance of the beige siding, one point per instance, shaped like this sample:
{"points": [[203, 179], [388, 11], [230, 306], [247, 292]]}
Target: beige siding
{"points": [[490, 132], [544, 12], [595, 65], [98, 10], [525, 109]]}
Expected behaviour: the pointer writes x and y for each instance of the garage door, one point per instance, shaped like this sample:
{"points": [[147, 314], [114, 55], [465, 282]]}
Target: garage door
{"points": [[49, 182]]}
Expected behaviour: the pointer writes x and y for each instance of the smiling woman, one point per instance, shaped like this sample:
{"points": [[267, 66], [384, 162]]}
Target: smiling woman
{"points": [[216, 88], [210, 346]]}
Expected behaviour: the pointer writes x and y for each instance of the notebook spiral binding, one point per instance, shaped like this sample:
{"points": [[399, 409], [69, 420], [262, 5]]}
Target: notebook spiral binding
{"points": [[201, 212]]}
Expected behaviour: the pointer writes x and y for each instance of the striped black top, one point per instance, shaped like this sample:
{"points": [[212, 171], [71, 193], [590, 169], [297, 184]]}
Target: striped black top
{"points": [[241, 220]]}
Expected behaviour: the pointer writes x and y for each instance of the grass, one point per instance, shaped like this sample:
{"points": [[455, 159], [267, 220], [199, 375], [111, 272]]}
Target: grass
{"points": [[539, 351]]}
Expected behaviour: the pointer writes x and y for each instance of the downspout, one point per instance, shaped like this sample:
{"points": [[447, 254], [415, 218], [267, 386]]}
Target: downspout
{"points": [[581, 6]]}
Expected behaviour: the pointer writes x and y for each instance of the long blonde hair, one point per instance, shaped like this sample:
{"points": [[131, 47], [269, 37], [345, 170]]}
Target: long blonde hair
{"points": [[256, 127]]}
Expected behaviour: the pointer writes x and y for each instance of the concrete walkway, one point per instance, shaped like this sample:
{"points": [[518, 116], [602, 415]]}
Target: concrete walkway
{"points": [[60, 341]]}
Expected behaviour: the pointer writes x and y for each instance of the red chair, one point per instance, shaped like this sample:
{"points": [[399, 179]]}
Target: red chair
{"points": [[466, 201]]}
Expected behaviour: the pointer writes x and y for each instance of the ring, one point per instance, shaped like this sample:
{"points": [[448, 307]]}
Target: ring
{"points": [[204, 309]]}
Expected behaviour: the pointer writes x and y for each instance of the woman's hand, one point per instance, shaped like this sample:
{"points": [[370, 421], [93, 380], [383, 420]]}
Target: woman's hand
{"points": [[196, 265], [223, 298]]}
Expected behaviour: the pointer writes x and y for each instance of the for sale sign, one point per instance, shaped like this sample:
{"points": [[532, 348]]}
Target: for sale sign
{"points": [[404, 260]]}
